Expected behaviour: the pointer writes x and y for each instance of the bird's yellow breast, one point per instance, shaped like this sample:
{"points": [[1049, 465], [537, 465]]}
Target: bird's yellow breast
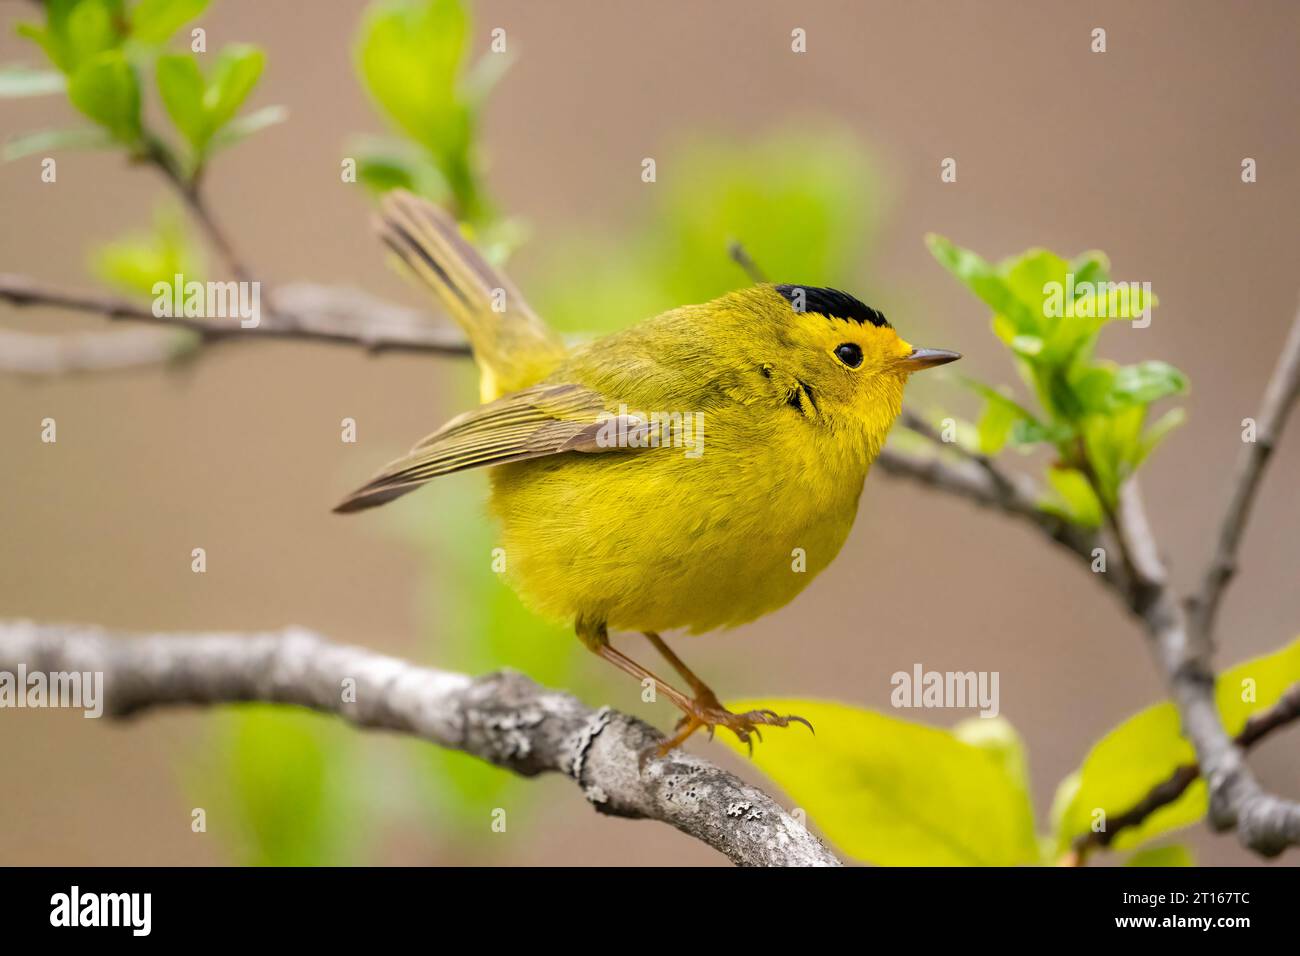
{"points": [[655, 540]]}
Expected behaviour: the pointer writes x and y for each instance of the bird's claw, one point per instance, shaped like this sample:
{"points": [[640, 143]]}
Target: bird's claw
{"points": [[710, 714]]}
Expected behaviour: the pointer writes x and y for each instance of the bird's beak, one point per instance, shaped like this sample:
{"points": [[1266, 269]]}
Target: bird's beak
{"points": [[921, 359]]}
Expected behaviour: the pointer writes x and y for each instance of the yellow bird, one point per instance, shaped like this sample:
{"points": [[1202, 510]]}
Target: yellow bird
{"points": [[692, 472]]}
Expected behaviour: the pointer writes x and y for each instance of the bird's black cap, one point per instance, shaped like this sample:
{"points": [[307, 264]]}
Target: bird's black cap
{"points": [[833, 303]]}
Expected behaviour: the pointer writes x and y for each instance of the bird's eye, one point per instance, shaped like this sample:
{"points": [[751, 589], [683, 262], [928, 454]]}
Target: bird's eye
{"points": [[849, 353]]}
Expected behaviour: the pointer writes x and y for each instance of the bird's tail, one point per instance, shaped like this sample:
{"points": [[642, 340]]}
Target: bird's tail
{"points": [[513, 347]]}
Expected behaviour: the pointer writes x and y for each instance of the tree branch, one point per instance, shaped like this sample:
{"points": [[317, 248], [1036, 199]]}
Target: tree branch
{"points": [[503, 718], [313, 313], [302, 311], [162, 157], [1009, 493], [57, 355]]}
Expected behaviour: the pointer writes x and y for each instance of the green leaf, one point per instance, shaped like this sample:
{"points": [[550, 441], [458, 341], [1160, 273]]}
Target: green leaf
{"points": [[1145, 383], [1024, 427], [385, 163], [999, 395], [49, 140], [202, 109], [1090, 267], [1027, 277], [181, 87], [997, 736], [1173, 855], [238, 69], [1029, 431], [20, 81], [995, 426], [1077, 500], [154, 21], [1158, 432], [1113, 444], [897, 793], [1093, 386], [1027, 346], [242, 127], [45, 40], [76, 31], [1002, 416], [1144, 750], [484, 75], [135, 262], [382, 173], [986, 282], [410, 55], [106, 89]]}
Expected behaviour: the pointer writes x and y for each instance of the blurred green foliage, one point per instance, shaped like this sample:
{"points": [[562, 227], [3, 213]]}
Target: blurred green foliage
{"points": [[101, 50], [138, 260], [1092, 412], [200, 106], [411, 56], [279, 788], [477, 624], [806, 215], [106, 89], [77, 31]]}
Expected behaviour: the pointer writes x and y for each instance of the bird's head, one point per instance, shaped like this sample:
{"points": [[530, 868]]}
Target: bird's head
{"points": [[831, 358]]}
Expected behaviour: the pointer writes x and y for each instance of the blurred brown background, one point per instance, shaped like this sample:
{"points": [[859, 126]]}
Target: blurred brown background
{"points": [[1136, 151]]}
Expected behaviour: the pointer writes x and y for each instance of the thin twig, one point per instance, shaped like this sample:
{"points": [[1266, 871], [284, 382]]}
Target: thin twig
{"points": [[1004, 484], [1279, 398], [503, 718], [1009, 493], [187, 187], [302, 311], [740, 256]]}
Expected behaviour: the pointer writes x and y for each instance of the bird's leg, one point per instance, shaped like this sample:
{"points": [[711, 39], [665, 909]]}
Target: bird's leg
{"points": [[596, 639], [701, 689], [706, 711]]}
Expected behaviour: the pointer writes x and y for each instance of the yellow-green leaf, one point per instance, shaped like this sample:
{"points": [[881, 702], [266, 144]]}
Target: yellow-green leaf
{"points": [[898, 793], [134, 263], [1175, 855], [181, 87], [1078, 502], [987, 282], [237, 71], [1158, 432], [1145, 749], [154, 21], [106, 89]]}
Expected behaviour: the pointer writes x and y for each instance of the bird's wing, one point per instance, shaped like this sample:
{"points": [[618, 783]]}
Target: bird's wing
{"points": [[533, 423]]}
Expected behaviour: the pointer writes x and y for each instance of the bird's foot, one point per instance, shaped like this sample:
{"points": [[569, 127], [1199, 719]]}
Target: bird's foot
{"points": [[707, 712]]}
